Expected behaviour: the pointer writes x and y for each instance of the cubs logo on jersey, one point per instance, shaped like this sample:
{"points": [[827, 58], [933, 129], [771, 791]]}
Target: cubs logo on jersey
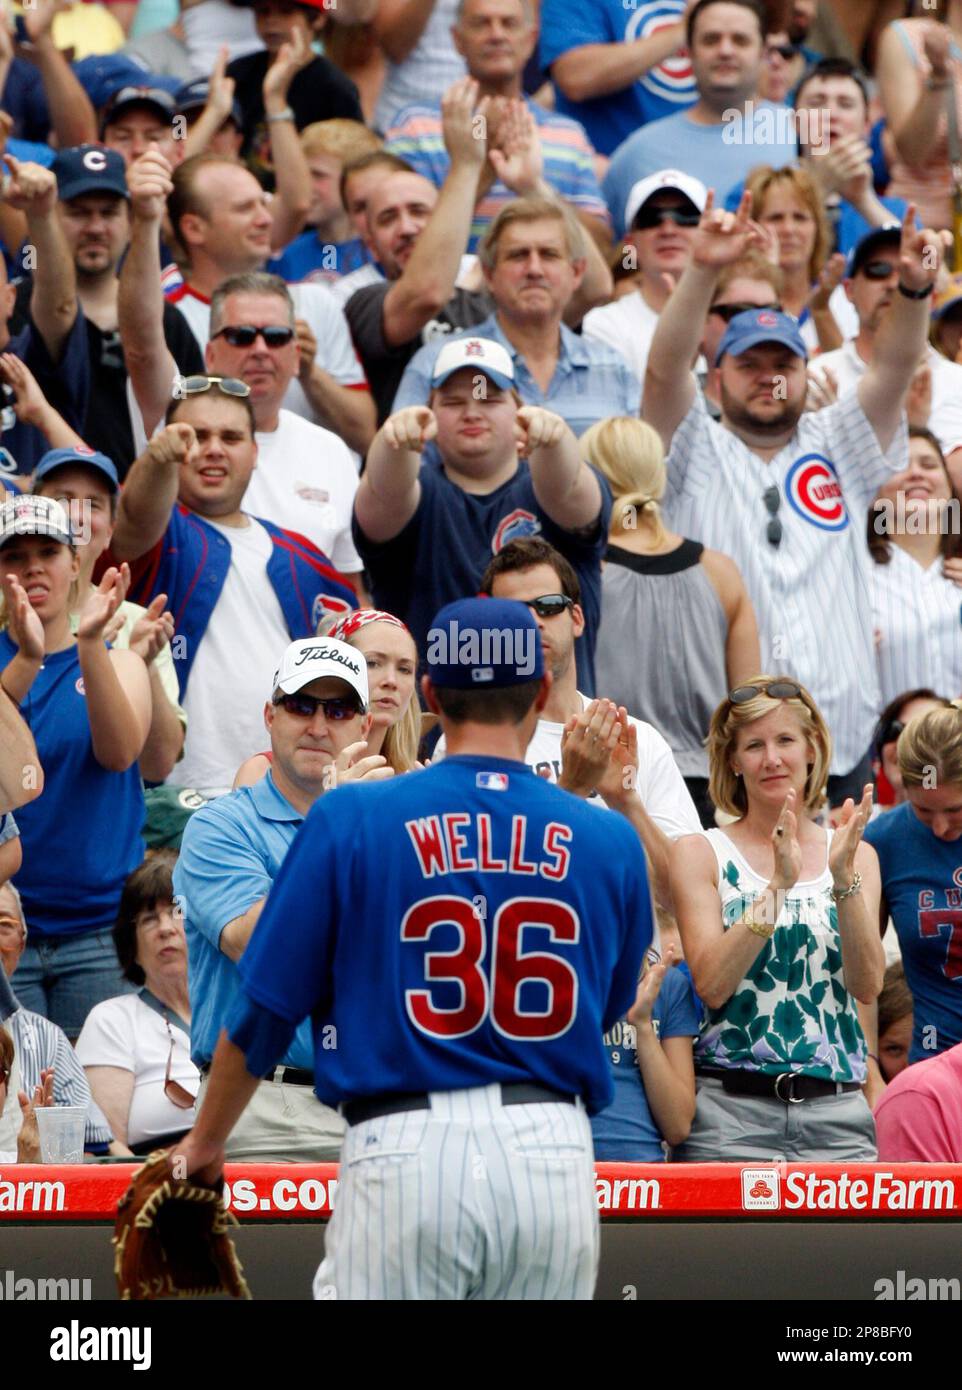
{"points": [[814, 492], [672, 79], [513, 527]]}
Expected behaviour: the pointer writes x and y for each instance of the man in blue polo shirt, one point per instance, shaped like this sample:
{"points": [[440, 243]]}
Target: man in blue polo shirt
{"points": [[238, 587], [426, 530], [231, 853], [533, 257]]}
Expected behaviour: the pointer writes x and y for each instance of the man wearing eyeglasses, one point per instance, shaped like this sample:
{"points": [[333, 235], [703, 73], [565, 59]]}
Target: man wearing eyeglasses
{"points": [[782, 492], [237, 585], [231, 854], [305, 479], [661, 216], [872, 286]]}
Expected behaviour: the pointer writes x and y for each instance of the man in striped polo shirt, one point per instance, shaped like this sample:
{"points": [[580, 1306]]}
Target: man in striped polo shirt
{"points": [[496, 38], [777, 489]]}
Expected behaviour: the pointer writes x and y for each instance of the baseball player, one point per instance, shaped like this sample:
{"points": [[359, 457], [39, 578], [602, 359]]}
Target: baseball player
{"points": [[468, 933]]}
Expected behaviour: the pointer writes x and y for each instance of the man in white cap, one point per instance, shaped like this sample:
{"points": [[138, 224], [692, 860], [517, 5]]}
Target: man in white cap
{"points": [[661, 215], [232, 850], [426, 529]]}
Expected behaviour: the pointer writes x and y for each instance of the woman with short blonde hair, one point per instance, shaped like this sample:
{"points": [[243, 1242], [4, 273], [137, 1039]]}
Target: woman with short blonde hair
{"points": [[655, 585], [779, 920]]}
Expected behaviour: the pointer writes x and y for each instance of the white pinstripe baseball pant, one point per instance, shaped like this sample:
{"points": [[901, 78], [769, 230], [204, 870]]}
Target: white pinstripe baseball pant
{"points": [[468, 1200]]}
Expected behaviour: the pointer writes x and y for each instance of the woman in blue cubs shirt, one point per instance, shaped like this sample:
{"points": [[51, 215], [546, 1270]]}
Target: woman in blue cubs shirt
{"points": [[652, 1068], [88, 708], [919, 848]]}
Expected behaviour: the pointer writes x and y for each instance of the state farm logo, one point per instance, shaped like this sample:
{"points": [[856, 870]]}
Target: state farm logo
{"points": [[760, 1189]]}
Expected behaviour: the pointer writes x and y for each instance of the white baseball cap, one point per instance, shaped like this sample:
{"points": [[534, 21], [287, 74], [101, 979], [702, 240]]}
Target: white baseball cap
{"points": [[27, 515], [482, 354], [312, 658], [693, 189]]}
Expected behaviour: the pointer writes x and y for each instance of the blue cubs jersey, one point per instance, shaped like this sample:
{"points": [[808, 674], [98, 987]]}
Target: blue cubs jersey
{"points": [[455, 927], [922, 884]]}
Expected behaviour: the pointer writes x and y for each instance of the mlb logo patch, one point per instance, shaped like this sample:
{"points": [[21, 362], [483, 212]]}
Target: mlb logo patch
{"points": [[482, 674], [492, 781], [760, 1189]]}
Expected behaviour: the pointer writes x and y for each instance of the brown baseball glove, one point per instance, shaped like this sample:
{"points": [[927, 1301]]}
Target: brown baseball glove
{"points": [[172, 1239]]}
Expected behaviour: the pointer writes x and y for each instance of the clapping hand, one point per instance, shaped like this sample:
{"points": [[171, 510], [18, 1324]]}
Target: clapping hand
{"points": [[850, 827], [587, 743], [516, 158], [23, 620], [788, 852], [152, 631], [103, 603], [649, 988], [28, 1140], [355, 764]]}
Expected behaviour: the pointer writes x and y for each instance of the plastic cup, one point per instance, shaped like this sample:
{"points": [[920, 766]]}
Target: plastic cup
{"points": [[61, 1130]]}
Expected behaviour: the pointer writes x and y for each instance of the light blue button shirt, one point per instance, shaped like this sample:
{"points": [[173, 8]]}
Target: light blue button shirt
{"points": [[590, 382], [232, 851]]}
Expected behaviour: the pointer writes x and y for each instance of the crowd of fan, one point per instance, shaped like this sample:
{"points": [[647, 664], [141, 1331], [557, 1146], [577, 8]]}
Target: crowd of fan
{"points": [[316, 316]]}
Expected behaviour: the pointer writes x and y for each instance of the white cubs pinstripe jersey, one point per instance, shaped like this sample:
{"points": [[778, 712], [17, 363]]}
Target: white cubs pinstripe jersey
{"points": [[810, 591], [917, 614]]}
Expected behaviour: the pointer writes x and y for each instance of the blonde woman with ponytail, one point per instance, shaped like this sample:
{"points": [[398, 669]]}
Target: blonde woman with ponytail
{"points": [[919, 848], [677, 627]]}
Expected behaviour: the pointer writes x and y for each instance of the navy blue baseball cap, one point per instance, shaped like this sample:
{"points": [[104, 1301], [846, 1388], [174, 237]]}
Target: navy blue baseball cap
{"points": [[755, 326], [192, 96], [76, 458], [863, 251], [158, 98], [89, 169], [484, 643]]}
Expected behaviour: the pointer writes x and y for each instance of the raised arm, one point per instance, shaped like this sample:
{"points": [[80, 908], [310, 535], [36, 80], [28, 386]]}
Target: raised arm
{"points": [[563, 483], [348, 411], [913, 106], [901, 338], [53, 301], [72, 117], [150, 492], [140, 303], [855, 864], [429, 276], [389, 491], [292, 178], [721, 239], [32, 407]]}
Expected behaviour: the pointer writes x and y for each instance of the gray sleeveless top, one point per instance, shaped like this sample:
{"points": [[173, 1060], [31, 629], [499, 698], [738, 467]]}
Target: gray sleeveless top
{"points": [[661, 646]]}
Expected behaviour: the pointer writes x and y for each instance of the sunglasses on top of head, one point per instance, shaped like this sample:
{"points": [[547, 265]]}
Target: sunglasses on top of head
{"points": [[550, 605], [648, 217], [197, 385], [775, 690], [245, 335], [336, 708]]}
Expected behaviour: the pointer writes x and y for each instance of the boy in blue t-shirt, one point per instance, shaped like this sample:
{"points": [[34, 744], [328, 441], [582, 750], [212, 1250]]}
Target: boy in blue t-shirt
{"points": [[652, 1068]]}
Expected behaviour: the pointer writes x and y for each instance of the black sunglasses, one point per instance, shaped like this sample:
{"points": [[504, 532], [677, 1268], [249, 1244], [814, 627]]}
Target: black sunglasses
{"points": [[726, 312], [336, 708], [196, 385], [878, 270], [785, 51], [550, 605], [773, 500], [245, 335], [778, 690], [646, 218]]}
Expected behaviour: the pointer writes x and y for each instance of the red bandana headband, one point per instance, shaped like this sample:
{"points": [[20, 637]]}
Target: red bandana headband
{"points": [[353, 622]]}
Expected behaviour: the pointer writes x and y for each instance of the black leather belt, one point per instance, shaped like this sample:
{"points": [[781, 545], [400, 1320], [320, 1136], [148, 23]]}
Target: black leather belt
{"points": [[790, 1087], [356, 1112], [290, 1076]]}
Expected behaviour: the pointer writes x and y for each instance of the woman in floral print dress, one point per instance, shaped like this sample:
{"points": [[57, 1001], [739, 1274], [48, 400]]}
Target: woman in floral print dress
{"points": [[779, 920]]}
